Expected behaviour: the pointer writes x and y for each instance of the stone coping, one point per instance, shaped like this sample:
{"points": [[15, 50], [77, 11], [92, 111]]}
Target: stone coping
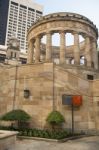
{"points": [[6, 134], [80, 67], [54, 140]]}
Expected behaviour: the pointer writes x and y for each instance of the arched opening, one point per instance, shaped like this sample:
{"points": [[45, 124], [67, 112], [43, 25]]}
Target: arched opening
{"points": [[81, 38], [56, 47], [72, 61], [82, 60], [56, 39], [69, 39]]}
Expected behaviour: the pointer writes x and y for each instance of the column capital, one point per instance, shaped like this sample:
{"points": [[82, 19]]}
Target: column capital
{"points": [[83, 34], [74, 33], [62, 32], [87, 39], [49, 32], [94, 40], [87, 36], [32, 40], [38, 36]]}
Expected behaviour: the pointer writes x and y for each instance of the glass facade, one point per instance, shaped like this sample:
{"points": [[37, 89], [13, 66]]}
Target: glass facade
{"points": [[15, 19], [4, 6]]}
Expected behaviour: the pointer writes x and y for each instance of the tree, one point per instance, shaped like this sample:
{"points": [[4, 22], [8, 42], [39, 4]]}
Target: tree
{"points": [[16, 115], [55, 118]]}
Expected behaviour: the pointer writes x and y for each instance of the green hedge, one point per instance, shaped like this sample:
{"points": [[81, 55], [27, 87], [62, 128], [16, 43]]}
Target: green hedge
{"points": [[44, 133], [50, 134]]}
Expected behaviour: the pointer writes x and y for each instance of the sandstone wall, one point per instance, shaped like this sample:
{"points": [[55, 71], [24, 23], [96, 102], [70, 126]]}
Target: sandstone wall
{"points": [[47, 84], [95, 87], [36, 78], [71, 84]]}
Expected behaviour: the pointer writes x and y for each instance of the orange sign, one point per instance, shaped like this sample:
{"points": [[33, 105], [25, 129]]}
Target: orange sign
{"points": [[77, 100]]}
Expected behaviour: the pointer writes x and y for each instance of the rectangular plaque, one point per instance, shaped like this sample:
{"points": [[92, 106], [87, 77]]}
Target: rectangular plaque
{"points": [[66, 99]]}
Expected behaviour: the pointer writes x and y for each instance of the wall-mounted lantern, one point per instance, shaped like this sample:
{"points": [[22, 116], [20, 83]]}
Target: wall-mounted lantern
{"points": [[26, 93]]}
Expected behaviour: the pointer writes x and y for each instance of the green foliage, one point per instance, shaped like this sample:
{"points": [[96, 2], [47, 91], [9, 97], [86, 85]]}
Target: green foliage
{"points": [[55, 117], [44, 133], [16, 115], [50, 134]]}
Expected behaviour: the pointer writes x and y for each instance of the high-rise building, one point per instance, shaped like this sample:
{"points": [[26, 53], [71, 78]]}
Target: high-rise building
{"points": [[16, 16]]}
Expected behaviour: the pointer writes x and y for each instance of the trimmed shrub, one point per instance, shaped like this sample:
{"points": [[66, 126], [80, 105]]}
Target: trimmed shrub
{"points": [[55, 118], [16, 115]]}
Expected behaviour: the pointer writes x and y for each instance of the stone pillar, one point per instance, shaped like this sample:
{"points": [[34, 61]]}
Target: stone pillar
{"points": [[30, 51], [94, 54], [37, 49], [49, 47], [88, 52], [76, 49], [62, 47]]}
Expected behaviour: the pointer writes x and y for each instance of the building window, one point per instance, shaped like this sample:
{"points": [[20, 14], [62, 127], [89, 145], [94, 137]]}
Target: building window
{"points": [[14, 3], [90, 77], [39, 12]]}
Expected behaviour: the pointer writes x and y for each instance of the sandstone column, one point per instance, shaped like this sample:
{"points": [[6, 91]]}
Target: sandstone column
{"points": [[48, 47], [30, 51], [94, 54], [88, 52], [37, 49], [62, 47], [76, 49]]}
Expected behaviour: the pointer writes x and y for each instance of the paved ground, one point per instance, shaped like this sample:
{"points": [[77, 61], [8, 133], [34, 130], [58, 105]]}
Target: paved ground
{"points": [[88, 143]]}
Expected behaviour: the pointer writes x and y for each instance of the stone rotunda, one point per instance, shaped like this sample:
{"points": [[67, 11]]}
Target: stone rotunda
{"points": [[54, 73], [64, 23]]}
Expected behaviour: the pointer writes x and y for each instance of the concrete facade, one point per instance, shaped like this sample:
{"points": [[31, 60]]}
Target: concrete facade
{"points": [[47, 81], [16, 17]]}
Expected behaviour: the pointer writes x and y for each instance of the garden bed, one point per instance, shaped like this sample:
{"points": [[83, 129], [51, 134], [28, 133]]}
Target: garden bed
{"points": [[47, 135], [52, 140]]}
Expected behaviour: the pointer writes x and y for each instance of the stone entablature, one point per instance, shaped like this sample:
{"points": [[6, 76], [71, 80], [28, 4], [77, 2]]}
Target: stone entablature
{"points": [[63, 23], [64, 16]]}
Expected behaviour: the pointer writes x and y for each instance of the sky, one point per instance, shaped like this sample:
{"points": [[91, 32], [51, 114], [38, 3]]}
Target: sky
{"points": [[88, 8]]}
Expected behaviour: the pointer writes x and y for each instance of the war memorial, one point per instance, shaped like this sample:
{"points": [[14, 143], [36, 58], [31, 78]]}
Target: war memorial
{"points": [[54, 74]]}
